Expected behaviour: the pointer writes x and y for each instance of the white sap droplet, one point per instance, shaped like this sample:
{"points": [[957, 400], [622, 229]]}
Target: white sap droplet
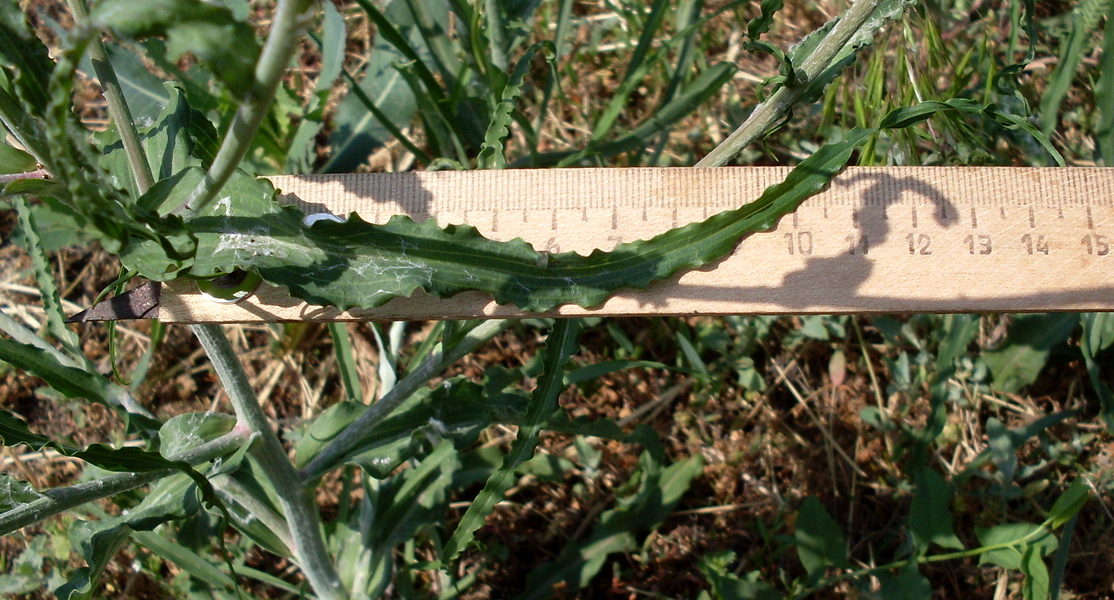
{"points": [[309, 220]]}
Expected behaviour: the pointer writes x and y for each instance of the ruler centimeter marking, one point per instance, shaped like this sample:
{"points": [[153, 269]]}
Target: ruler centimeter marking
{"points": [[893, 239]]}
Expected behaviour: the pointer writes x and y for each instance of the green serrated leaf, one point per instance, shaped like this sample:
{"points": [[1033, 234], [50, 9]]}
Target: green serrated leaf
{"points": [[44, 275], [70, 381], [358, 264], [27, 129], [209, 31], [58, 226], [886, 11], [491, 152]]}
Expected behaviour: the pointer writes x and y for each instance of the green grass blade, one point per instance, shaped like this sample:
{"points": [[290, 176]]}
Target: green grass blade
{"points": [[185, 559], [355, 135], [1085, 19], [346, 362], [432, 19], [562, 342], [1104, 95], [636, 71], [387, 29], [496, 30]]}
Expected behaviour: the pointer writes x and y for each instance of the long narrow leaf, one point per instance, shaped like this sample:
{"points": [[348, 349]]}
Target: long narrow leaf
{"points": [[1104, 94], [52, 301], [562, 342], [346, 362], [1085, 18], [491, 153], [71, 381], [358, 264]]}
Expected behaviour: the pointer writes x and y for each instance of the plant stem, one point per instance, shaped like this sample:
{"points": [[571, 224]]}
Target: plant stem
{"points": [[287, 27], [117, 105], [981, 550], [350, 437], [296, 499], [59, 500], [36, 174], [773, 110]]}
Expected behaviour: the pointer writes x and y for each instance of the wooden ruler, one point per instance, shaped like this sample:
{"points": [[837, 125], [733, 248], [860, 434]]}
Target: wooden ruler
{"points": [[879, 240]]}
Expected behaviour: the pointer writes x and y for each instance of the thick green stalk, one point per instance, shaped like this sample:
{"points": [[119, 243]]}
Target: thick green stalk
{"points": [[296, 499], [59, 500], [769, 113], [290, 21], [361, 427], [117, 105]]}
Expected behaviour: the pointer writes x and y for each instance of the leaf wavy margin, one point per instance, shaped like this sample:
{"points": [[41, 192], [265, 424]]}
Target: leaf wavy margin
{"points": [[355, 264]]}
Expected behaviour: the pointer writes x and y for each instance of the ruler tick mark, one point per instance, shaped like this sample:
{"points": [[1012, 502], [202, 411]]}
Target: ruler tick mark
{"points": [[1002, 211], [1090, 218], [796, 221], [825, 211], [674, 218], [584, 214], [645, 217], [855, 219], [495, 220], [914, 207], [614, 217], [553, 220], [974, 219], [1032, 218]]}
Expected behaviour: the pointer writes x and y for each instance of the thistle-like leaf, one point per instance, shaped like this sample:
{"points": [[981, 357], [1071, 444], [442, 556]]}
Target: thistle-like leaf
{"points": [[357, 264]]}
